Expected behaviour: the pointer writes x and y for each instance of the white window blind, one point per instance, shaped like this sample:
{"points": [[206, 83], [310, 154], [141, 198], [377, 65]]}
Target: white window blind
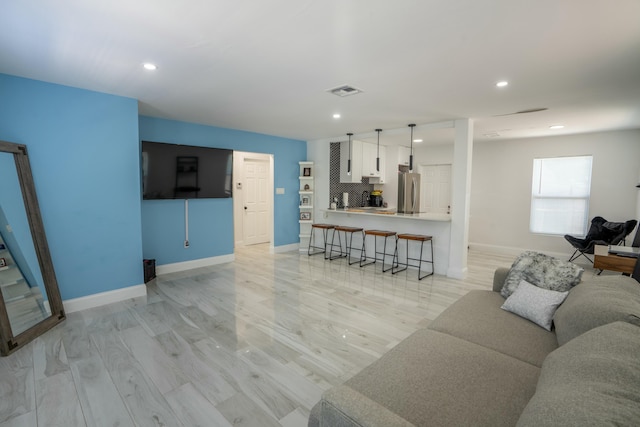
{"points": [[560, 192]]}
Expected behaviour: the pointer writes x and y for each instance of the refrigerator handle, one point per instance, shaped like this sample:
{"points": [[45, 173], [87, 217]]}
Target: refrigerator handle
{"points": [[402, 201], [413, 195]]}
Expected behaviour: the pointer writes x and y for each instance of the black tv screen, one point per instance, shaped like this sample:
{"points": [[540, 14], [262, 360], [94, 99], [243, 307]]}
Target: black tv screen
{"points": [[172, 171]]}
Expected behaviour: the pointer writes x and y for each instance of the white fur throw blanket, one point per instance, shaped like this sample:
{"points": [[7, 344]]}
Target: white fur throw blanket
{"points": [[543, 271]]}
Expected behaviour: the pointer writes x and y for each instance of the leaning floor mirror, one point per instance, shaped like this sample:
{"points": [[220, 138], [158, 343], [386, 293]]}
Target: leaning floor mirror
{"points": [[30, 301]]}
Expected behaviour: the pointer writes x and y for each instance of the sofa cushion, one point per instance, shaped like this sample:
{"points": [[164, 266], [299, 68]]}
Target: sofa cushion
{"points": [[314, 415], [435, 379], [534, 303], [476, 317], [499, 276], [597, 302], [594, 380], [343, 406], [543, 271]]}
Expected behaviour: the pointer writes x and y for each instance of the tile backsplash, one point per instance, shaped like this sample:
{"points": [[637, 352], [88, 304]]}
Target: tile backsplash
{"points": [[336, 188]]}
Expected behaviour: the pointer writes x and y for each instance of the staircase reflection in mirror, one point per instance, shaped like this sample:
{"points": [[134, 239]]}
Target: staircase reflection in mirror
{"points": [[25, 303]]}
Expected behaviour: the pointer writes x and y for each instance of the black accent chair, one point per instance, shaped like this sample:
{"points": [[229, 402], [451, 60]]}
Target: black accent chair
{"points": [[636, 244], [636, 240], [601, 232]]}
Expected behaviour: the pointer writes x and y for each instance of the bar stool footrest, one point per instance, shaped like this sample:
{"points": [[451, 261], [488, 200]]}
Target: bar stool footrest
{"points": [[363, 253], [313, 249], [416, 238]]}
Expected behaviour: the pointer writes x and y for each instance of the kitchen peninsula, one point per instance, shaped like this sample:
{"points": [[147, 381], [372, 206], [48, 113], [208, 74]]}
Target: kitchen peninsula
{"points": [[436, 225], [391, 213], [451, 239]]}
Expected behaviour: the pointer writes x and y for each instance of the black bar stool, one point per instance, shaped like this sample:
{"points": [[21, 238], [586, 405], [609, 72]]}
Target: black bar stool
{"points": [[348, 242], [376, 234], [314, 250], [416, 238]]}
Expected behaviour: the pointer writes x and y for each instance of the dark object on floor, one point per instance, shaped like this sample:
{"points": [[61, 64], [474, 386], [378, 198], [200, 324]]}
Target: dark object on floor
{"points": [[601, 232], [636, 240], [149, 269], [636, 271]]}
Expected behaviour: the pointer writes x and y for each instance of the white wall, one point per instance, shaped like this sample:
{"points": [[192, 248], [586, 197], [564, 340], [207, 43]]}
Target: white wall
{"points": [[501, 186], [434, 154]]}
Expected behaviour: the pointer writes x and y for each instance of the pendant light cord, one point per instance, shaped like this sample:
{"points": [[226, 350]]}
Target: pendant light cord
{"points": [[349, 161], [412, 125], [378, 154]]}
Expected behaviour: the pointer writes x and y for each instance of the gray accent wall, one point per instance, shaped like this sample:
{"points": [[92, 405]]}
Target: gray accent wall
{"points": [[501, 187]]}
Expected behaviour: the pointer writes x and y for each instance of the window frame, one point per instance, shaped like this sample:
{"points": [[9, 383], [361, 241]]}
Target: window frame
{"points": [[537, 195]]}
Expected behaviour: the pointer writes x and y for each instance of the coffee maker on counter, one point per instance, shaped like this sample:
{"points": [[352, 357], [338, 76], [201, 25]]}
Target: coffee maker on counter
{"points": [[365, 199], [376, 199]]}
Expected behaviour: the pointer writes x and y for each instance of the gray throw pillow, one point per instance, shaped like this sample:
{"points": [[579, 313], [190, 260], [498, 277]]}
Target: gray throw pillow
{"points": [[594, 380], [535, 304], [542, 271], [596, 302]]}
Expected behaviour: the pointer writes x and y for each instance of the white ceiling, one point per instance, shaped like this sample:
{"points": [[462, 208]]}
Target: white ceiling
{"points": [[265, 66]]}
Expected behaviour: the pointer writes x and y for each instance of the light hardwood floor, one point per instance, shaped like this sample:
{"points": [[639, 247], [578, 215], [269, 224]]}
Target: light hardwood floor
{"points": [[254, 342]]}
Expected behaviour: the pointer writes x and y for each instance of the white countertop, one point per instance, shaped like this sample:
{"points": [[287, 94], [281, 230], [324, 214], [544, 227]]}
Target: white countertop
{"points": [[390, 213]]}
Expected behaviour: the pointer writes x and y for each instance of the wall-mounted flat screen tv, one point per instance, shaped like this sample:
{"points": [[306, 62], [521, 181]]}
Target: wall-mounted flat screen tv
{"points": [[172, 171]]}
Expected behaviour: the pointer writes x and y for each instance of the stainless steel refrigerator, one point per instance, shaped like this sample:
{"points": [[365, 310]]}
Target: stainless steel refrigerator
{"points": [[408, 193]]}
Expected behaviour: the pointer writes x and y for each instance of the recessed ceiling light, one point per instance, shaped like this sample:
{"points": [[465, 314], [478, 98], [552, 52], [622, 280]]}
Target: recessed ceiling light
{"points": [[556, 127], [417, 140], [336, 116], [502, 83], [150, 66]]}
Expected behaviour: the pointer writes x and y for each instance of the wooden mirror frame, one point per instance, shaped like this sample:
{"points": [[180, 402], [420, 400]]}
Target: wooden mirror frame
{"points": [[9, 343]]}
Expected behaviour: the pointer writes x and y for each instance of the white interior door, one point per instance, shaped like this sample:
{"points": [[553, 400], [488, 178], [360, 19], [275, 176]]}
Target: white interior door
{"points": [[435, 188], [256, 201]]}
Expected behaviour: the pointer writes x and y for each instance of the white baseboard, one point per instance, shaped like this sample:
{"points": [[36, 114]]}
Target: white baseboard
{"points": [[196, 263], [102, 298], [284, 248], [457, 273], [508, 250]]}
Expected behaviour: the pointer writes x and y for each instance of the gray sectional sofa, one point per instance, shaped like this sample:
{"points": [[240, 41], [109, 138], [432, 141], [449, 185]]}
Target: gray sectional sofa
{"points": [[479, 365]]}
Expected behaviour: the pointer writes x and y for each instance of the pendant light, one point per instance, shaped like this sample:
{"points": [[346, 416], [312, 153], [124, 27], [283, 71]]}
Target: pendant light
{"points": [[349, 161], [412, 125], [378, 155]]}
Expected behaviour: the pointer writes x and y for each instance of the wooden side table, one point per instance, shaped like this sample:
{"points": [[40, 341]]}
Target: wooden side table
{"points": [[603, 260]]}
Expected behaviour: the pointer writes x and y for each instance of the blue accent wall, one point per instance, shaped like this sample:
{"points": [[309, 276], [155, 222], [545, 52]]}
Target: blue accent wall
{"points": [[84, 149], [211, 221], [84, 152]]}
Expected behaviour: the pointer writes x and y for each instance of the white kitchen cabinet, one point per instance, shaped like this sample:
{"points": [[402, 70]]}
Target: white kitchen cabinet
{"points": [[369, 170], [356, 161]]}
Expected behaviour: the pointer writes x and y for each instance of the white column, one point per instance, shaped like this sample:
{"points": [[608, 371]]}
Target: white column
{"points": [[318, 152], [460, 199]]}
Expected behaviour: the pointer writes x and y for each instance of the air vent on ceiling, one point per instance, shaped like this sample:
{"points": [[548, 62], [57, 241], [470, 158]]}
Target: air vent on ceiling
{"points": [[491, 134], [344, 90], [530, 110]]}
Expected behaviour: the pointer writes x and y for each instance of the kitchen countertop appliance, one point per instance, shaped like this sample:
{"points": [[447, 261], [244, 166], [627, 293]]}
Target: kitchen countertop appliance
{"points": [[375, 199], [409, 193], [365, 199]]}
